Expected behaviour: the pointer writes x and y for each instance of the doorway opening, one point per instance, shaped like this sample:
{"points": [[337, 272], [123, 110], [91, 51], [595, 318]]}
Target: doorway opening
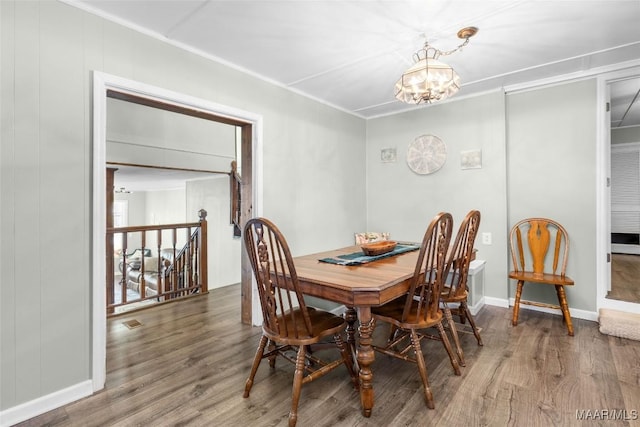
{"points": [[605, 163], [625, 189], [155, 204], [250, 126]]}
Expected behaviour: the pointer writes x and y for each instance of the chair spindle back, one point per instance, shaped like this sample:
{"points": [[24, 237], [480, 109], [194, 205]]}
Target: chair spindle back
{"points": [[430, 268], [538, 240], [457, 269], [277, 280]]}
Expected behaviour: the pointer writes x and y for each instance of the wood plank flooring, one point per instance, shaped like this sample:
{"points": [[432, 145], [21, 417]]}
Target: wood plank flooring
{"points": [[187, 364], [625, 277]]}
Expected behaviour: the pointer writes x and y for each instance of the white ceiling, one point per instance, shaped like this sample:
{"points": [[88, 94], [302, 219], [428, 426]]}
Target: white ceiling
{"points": [[349, 54]]}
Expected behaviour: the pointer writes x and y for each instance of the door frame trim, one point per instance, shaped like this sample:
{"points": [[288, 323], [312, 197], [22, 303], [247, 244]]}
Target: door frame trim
{"points": [[101, 83], [603, 202]]}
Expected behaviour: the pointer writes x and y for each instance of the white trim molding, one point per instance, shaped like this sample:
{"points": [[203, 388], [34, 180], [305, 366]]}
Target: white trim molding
{"points": [[603, 204], [575, 313], [44, 404], [622, 67], [496, 302]]}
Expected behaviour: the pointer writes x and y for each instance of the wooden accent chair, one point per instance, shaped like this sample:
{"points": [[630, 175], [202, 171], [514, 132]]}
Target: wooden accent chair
{"points": [[538, 240], [454, 288], [288, 324], [420, 309]]}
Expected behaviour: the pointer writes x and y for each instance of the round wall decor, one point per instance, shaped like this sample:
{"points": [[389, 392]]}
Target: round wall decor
{"points": [[426, 154]]}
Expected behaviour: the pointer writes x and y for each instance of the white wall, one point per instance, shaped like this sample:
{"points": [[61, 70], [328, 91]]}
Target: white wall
{"points": [[136, 210], [167, 207], [224, 250], [403, 203], [136, 206], [48, 52], [538, 159], [179, 206], [552, 173], [155, 207], [142, 135]]}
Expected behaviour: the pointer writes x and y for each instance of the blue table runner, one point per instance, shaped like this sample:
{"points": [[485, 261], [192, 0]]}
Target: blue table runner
{"points": [[358, 258]]}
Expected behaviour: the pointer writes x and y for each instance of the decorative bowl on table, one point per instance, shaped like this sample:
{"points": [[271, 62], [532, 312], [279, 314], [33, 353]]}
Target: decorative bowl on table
{"points": [[378, 248]]}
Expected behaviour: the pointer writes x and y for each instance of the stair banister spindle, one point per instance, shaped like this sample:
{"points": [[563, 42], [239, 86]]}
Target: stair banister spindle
{"points": [[123, 281], [174, 278], [203, 277], [160, 289]]}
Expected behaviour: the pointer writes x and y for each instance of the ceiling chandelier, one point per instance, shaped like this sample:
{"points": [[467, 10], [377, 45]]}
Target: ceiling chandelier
{"points": [[428, 80]]}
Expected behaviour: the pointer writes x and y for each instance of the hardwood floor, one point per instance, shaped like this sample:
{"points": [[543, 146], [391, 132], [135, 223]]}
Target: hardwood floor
{"points": [[625, 278], [187, 364]]}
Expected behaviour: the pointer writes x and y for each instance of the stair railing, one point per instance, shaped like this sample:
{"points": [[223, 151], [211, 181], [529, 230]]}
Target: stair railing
{"points": [[180, 265]]}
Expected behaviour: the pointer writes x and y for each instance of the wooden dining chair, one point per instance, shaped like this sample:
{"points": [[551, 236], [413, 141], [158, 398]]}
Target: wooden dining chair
{"points": [[540, 234], [288, 324], [410, 316], [454, 288]]}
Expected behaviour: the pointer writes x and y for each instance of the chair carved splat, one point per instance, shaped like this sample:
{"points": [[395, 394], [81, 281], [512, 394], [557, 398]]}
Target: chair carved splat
{"points": [[289, 325], [539, 238]]}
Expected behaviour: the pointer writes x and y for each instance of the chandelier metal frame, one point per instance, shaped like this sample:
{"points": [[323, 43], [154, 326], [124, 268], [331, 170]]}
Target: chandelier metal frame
{"points": [[429, 80]]}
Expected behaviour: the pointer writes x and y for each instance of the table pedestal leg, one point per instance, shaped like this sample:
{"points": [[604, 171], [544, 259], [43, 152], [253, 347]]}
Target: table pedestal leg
{"points": [[365, 359], [351, 316]]}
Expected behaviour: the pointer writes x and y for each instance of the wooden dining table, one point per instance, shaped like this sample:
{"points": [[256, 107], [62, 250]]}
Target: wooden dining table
{"points": [[358, 287]]}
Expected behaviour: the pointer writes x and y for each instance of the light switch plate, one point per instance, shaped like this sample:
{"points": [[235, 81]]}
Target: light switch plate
{"points": [[486, 238]]}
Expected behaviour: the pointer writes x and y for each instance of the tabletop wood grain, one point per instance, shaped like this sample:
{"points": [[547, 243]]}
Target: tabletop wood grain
{"points": [[369, 284]]}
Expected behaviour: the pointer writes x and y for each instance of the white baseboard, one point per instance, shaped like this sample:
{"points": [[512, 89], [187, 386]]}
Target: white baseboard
{"points": [[474, 309], [506, 303], [613, 304], [46, 403], [497, 302], [501, 302], [578, 314]]}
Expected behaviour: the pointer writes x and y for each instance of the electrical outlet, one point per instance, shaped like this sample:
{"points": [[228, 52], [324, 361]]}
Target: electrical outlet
{"points": [[486, 238]]}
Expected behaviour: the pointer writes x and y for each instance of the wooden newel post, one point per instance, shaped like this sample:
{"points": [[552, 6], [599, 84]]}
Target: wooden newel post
{"points": [[203, 251], [236, 198], [110, 264], [233, 192]]}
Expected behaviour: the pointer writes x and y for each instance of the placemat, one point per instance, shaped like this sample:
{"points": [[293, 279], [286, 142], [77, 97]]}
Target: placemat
{"points": [[358, 258]]}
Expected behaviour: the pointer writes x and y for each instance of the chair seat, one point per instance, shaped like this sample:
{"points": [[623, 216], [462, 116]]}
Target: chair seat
{"points": [[410, 315], [550, 279], [323, 324], [392, 313], [446, 295]]}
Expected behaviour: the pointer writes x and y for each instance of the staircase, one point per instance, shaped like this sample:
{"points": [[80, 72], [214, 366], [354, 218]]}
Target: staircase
{"points": [[176, 267]]}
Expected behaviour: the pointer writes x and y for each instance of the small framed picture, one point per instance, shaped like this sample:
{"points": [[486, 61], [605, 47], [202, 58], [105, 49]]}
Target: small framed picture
{"points": [[388, 155], [471, 159]]}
